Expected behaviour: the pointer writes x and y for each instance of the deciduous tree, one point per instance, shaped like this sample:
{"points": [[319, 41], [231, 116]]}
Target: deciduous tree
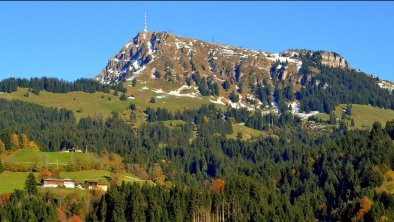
{"points": [[2, 147], [25, 141], [14, 142], [45, 173]]}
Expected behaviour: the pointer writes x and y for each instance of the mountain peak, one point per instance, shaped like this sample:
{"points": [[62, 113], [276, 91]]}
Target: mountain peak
{"points": [[179, 57]]}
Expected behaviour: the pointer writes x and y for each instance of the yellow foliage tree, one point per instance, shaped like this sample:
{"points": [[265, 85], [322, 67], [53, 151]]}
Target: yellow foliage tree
{"points": [[14, 142], [105, 161], [2, 147], [389, 175], [158, 175], [33, 146], [365, 206], [117, 168], [25, 141]]}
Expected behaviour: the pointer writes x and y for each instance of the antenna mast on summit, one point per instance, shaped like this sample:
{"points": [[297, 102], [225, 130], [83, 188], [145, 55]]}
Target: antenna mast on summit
{"points": [[145, 25]]}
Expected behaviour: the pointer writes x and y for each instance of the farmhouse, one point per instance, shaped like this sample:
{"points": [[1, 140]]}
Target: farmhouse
{"points": [[52, 182], [93, 185], [71, 150]]}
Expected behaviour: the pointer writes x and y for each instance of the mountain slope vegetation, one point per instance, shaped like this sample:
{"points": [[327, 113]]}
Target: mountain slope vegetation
{"points": [[325, 178], [225, 133]]}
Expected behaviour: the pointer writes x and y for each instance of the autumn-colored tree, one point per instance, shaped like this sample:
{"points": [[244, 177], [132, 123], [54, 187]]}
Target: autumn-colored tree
{"points": [[138, 170], [2, 147], [105, 161], [61, 216], [365, 206], [14, 142], [390, 175], [218, 185], [4, 198], [158, 175], [25, 141], [56, 173], [117, 168], [75, 218], [45, 173], [33, 146]]}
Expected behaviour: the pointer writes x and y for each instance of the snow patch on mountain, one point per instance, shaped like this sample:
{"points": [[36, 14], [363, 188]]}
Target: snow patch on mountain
{"points": [[178, 92], [218, 101], [275, 57], [386, 85]]}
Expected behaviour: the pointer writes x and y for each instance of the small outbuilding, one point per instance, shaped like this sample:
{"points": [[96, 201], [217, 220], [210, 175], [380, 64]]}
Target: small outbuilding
{"points": [[94, 185]]}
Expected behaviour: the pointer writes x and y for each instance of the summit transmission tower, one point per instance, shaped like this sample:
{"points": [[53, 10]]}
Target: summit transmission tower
{"points": [[145, 25]]}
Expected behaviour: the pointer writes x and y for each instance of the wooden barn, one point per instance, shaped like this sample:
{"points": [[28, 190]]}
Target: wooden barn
{"points": [[52, 182], [93, 185]]}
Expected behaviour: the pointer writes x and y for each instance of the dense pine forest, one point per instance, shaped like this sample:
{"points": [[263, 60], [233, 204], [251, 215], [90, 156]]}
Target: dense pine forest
{"points": [[333, 86], [55, 85], [202, 175]]}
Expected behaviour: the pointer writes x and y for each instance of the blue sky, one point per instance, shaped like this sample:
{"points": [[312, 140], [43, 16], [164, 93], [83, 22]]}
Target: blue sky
{"points": [[70, 40]]}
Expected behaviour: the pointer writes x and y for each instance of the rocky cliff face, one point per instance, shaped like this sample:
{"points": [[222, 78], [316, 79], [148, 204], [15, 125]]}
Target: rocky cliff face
{"points": [[333, 60]]}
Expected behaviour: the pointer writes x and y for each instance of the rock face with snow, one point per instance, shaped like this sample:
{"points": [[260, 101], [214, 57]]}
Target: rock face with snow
{"points": [[132, 58], [384, 84], [152, 55], [176, 58]]}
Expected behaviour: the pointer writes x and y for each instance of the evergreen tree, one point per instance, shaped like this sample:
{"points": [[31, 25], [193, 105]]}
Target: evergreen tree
{"points": [[132, 106], [349, 109], [133, 117], [123, 97], [31, 184], [157, 74], [389, 128], [333, 119], [233, 97], [226, 85], [134, 82]]}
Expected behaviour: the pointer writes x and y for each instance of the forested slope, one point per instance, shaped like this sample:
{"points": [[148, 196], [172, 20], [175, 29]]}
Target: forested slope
{"points": [[200, 173]]}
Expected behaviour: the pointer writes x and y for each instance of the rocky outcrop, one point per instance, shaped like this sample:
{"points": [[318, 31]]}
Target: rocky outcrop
{"points": [[334, 60]]}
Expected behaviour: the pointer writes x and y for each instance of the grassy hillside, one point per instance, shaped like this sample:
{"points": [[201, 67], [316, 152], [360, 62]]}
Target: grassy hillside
{"points": [[9, 181], [50, 158], [102, 104], [247, 133], [92, 104], [364, 115], [15, 180]]}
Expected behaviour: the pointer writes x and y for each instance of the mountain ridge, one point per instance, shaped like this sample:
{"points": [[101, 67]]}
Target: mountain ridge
{"points": [[244, 78], [144, 47]]}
